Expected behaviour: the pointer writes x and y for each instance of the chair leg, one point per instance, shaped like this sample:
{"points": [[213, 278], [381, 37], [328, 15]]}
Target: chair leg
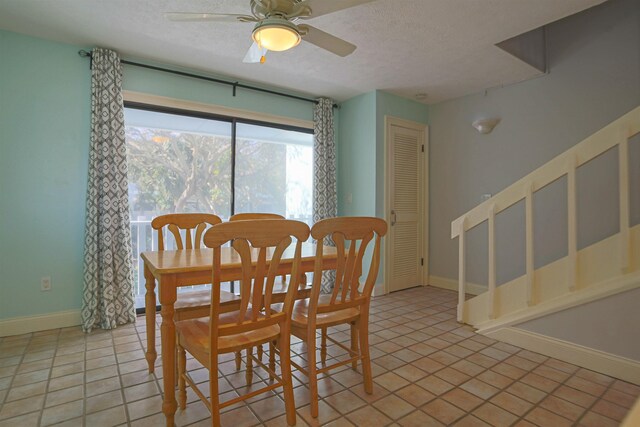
{"points": [[238, 360], [214, 397], [313, 375], [323, 346], [249, 374], [354, 344], [284, 343], [182, 368], [272, 358], [260, 352], [363, 333]]}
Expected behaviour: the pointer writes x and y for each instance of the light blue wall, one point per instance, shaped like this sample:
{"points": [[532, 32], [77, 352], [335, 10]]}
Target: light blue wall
{"points": [[361, 148], [44, 129], [44, 141], [357, 156]]}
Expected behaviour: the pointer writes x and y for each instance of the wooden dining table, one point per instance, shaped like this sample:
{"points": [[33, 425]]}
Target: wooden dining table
{"points": [[186, 267]]}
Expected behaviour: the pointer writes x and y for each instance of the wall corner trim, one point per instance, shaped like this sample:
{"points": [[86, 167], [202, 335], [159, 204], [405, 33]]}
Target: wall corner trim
{"points": [[452, 285], [596, 360], [42, 322]]}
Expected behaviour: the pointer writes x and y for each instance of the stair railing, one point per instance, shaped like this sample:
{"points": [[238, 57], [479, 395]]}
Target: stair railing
{"points": [[614, 134]]}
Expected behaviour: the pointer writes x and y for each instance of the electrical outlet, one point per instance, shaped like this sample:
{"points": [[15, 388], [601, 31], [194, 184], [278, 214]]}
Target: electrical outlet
{"points": [[45, 284]]}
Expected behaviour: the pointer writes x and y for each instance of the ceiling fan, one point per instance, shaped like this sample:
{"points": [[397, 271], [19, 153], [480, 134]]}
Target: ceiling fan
{"points": [[277, 25]]}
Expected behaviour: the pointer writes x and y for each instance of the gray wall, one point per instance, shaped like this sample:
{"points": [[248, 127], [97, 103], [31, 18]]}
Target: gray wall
{"points": [[610, 324], [594, 78]]}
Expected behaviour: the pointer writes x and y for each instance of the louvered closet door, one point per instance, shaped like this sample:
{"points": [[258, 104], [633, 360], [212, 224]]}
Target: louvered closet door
{"points": [[406, 190]]}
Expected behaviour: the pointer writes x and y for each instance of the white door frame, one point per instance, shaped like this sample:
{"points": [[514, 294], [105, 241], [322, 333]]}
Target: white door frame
{"points": [[388, 122]]}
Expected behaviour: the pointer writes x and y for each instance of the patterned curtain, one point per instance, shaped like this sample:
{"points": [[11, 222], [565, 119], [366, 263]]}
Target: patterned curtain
{"points": [[108, 298], [325, 198]]}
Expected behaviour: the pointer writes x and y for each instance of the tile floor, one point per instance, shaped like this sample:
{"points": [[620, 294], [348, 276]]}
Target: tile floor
{"points": [[428, 371]]}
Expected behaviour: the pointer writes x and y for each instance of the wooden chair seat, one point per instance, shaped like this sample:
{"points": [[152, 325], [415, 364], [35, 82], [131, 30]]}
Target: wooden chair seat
{"points": [[194, 336], [300, 315]]}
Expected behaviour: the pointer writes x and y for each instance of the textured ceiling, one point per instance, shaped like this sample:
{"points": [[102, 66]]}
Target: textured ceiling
{"points": [[444, 48]]}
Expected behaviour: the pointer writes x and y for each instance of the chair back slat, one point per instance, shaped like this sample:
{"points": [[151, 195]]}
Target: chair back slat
{"points": [[351, 236], [254, 215], [192, 225], [260, 246]]}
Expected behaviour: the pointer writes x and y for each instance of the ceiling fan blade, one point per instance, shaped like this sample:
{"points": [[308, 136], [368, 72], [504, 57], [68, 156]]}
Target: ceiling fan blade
{"points": [[323, 7], [327, 41], [203, 17], [255, 54]]}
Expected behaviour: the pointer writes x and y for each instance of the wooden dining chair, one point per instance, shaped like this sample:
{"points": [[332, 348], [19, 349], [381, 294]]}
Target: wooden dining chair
{"points": [[192, 225], [349, 301], [245, 216], [250, 326]]}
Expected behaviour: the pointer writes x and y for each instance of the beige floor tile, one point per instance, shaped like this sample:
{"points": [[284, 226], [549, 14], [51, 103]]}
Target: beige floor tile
{"points": [[64, 396], [610, 410], [28, 390], [619, 398], [443, 411], [368, 416], [526, 392], [586, 386], [345, 401], [511, 403], [141, 391], [394, 407], [56, 414], [145, 407], [418, 351], [415, 395], [462, 399], [471, 421], [28, 420], [562, 407], [22, 406], [479, 388], [452, 376], [542, 417], [103, 401], [591, 419], [391, 381], [325, 414], [108, 417], [419, 419]]}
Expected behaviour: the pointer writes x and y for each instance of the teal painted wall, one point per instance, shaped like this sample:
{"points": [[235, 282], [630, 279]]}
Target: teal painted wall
{"points": [[361, 148], [44, 143], [44, 133], [356, 151]]}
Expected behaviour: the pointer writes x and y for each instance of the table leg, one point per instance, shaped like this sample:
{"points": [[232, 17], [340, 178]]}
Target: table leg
{"points": [[168, 337], [150, 315]]}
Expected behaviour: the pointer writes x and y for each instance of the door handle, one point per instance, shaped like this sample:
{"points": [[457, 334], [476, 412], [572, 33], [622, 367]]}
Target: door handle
{"points": [[393, 218]]}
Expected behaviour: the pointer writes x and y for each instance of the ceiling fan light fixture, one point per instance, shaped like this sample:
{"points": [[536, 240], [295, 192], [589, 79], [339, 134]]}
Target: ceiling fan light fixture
{"points": [[276, 34]]}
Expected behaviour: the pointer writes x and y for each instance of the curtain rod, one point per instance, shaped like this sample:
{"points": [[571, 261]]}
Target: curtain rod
{"points": [[235, 85]]}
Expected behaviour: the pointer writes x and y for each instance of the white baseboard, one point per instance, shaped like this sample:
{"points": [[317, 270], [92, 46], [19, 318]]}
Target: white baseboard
{"points": [[596, 360], [452, 285], [27, 324]]}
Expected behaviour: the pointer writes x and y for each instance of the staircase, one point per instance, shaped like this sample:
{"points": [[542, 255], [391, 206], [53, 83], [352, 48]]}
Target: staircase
{"points": [[605, 268]]}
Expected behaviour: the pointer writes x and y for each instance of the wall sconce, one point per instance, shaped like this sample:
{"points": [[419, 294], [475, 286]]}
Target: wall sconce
{"points": [[485, 126]]}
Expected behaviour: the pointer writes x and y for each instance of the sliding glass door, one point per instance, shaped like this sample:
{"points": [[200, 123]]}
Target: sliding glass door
{"points": [[185, 162]]}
